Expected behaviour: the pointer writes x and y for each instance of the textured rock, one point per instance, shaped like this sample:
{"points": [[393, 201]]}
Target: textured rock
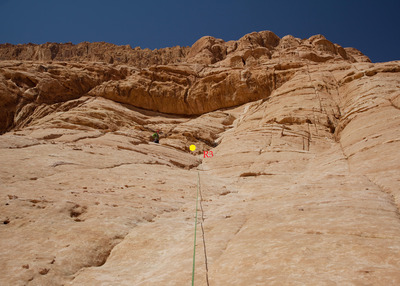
{"points": [[94, 52], [302, 187], [215, 75]]}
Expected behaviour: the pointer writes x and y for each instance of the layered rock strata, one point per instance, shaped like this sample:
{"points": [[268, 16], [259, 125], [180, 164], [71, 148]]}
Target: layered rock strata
{"points": [[302, 187]]}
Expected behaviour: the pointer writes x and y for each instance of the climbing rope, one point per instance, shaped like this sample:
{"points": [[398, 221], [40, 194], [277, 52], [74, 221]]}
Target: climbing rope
{"points": [[202, 230], [195, 229], [203, 235]]}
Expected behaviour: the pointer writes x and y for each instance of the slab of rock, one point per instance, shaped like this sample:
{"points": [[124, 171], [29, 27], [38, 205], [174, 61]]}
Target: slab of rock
{"points": [[300, 185]]}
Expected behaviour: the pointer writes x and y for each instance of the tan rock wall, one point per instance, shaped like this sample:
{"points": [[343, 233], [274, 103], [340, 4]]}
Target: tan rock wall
{"points": [[302, 187]]}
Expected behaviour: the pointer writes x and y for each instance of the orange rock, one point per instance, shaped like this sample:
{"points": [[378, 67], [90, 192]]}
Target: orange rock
{"points": [[302, 187]]}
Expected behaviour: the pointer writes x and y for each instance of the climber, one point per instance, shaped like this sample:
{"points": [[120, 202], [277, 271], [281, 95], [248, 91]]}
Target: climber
{"points": [[156, 137]]}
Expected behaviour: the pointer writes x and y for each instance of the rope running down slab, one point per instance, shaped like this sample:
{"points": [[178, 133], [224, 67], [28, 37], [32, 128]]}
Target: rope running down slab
{"points": [[202, 230], [195, 230]]}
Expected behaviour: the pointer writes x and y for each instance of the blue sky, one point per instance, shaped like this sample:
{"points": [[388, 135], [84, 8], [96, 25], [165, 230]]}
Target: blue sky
{"points": [[370, 26]]}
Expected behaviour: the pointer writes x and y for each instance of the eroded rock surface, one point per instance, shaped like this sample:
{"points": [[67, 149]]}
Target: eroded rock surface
{"points": [[302, 187]]}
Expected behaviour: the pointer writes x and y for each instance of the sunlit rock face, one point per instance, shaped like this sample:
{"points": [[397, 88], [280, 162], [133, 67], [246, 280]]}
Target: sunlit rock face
{"points": [[300, 184]]}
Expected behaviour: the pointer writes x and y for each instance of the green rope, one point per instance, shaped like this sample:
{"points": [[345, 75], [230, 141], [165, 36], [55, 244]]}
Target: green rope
{"points": [[195, 229]]}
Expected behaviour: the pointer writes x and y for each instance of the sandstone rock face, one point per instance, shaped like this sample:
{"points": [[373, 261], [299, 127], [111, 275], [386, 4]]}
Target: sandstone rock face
{"points": [[214, 74], [302, 187], [97, 52]]}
